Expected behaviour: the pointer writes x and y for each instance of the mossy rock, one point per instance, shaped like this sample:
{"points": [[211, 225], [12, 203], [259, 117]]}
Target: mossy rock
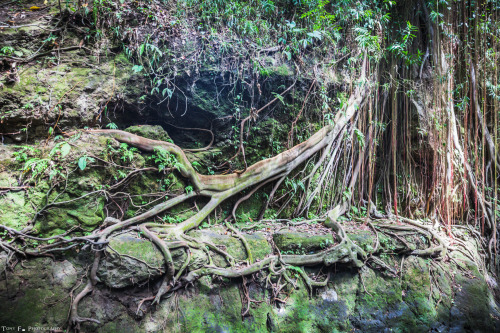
{"points": [[258, 244], [15, 211], [130, 260], [475, 301], [154, 132], [211, 312], [29, 298], [3, 261], [92, 87], [87, 214], [64, 274], [17, 208], [416, 283], [364, 239], [122, 324], [382, 306], [301, 243]]}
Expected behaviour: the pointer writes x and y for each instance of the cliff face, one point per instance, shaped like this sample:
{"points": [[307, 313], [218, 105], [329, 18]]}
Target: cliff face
{"points": [[349, 273], [425, 296]]}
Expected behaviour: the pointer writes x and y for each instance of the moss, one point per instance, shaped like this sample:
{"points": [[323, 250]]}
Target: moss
{"points": [[417, 285], [347, 285], [130, 260], [155, 132], [379, 293], [137, 248], [258, 244], [474, 299], [318, 314], [301, 243], [122, 60], [212, 313], [29, 309], [382, 304], [15, 211], [122, 324], [90, 89], [136, 190], [31, 300], [364, 239], [281, 70], [87, 213]]}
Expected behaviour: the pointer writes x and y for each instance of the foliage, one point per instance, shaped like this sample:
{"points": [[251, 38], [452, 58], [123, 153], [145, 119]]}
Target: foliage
{"points": [[402, 48], [35, 164], [82, 161], [163, 159]]}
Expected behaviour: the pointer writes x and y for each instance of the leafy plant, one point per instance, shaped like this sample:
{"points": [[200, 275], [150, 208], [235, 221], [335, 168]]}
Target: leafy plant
{"points": [[112, 126], [82, 161], [7, 50], [188, 189], [164, 159], [360, 138], [127, 154]]}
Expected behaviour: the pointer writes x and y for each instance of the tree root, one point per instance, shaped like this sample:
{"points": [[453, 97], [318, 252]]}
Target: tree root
{"points": [[217, 188], [438, 251], [74, 319], [243, 240], [169, 278]]}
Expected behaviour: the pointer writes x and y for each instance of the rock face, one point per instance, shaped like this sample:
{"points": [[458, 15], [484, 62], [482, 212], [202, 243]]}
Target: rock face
{"points": [[36, 293], [130, 260], [427, 296], [64, 274], [258, 244]]}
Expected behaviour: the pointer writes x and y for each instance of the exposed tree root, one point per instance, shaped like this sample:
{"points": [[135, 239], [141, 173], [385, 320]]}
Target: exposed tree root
{"points": [[218, 188]]}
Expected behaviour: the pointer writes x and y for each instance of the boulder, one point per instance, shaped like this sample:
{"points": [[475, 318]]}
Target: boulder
{"points": [[259, 246], [301, 243], [129, 260], [154, 132], [64, 274]]}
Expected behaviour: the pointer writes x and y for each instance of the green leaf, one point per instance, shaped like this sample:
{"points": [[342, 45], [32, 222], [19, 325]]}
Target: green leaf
{"points": [[137, 68], [82, 162], [166, 90], [278, 96], [65, 148], [288, 55]]}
